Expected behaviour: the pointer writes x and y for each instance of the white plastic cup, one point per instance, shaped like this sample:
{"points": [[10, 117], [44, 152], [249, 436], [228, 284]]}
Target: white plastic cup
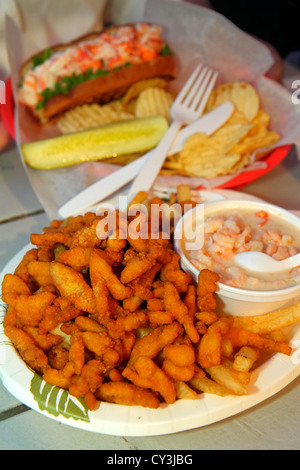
{"points": [[232, 300]]}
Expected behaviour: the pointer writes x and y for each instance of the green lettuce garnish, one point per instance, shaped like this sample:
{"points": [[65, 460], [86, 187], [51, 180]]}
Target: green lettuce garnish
{"points": [[41, 58]]}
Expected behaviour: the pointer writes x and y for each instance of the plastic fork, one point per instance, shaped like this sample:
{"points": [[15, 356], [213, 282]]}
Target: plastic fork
{"points": [[187, 107]]}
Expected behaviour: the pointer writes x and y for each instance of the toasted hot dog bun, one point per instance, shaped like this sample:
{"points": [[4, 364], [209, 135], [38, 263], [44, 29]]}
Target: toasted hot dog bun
{"points": [[109, 87]]}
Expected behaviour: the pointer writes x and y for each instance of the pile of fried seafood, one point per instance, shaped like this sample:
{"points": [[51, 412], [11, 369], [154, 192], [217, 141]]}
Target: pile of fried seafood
{"points": [[115, 318]]}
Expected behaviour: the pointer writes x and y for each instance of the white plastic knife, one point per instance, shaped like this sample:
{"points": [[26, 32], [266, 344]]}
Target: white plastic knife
{"points": [[106, 186]]}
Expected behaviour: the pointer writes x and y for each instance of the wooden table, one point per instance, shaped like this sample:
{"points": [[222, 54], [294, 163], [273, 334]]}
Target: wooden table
{"points": [[273, 424]]}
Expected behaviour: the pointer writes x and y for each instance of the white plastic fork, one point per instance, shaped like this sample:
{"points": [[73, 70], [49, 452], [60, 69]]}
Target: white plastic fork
{"points": [[187, 107]]}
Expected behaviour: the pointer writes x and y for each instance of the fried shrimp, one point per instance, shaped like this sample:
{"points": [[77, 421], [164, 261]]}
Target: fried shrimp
{"points": [[151, 344], [127, 394], [147, 374], [26, 346], [72, 285], [179, 310], [103, 270]]}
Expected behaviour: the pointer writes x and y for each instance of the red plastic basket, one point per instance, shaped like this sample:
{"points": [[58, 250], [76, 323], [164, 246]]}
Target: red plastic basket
{"points": [[244, 178], [7, 109]]}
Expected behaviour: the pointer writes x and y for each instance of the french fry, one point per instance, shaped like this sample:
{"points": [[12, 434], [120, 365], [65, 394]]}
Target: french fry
{"points": [[184, 392], [245, 358], [139, 198], [227, 378], [277, 335], [241, 337], [243, 376], [183, 193], [269, 322], [207, 385]]}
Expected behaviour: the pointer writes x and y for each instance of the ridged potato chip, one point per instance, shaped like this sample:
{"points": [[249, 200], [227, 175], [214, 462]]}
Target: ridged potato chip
{"points": [[146, 98], [252, 143], [237, 117], [227, 151], [93, 115], [231, 148], [135, 90], [241, 94], [260, 124], [241, 163], [220, 142], [154, 102], [211, 164]]}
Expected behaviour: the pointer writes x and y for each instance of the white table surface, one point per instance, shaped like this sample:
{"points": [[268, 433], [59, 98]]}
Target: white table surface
{"points": [[272, 425]]}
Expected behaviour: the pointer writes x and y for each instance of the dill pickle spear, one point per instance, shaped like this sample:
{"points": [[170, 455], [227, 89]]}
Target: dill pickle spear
{"points": [[122, 138]]}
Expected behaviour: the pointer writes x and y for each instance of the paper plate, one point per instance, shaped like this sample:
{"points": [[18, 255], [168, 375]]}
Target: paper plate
{"points": [[112, 419]]}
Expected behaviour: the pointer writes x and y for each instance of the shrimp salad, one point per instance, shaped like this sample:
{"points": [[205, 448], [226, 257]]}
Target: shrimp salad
{"points": [[231, 233]]}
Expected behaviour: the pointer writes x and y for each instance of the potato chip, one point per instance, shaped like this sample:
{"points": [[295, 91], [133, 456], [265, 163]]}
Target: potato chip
{"points": [[250, 144], [237, 117], [135, 90], [154, 102], [227, 151], [262, 118], [241, 163], [222, 141], [241, 94], [173, 164], [212, 164], [231, 147], [260, 124], [211, 156], [93, 115]]}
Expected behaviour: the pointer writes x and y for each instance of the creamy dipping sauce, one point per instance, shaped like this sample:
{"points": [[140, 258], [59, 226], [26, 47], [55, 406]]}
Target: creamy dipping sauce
{"points": [[237, 231]]}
